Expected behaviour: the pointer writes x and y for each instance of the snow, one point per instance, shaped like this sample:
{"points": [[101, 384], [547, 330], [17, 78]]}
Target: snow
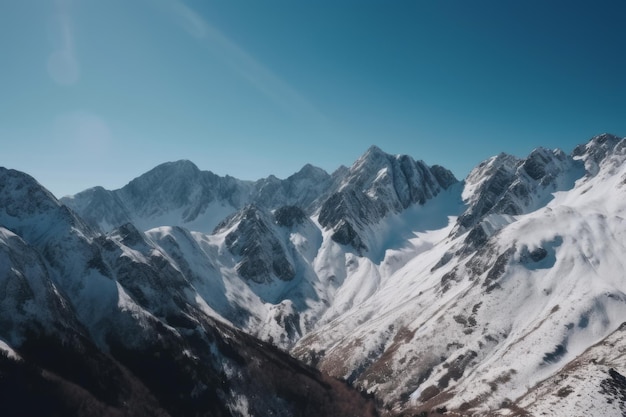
{"points": [[330, 278], [397, 231], [572, 297], [593, 268], [8, 351], [240, 406], [578, 388], [415, 310], [494, 222]]}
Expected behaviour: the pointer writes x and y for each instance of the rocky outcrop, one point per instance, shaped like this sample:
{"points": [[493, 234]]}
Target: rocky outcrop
{"points": [[262, 255], [376, 185], [508, 186], [290, 216]]}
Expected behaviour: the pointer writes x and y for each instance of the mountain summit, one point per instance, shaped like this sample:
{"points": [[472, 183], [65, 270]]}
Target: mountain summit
{"points": [[502, 294]]}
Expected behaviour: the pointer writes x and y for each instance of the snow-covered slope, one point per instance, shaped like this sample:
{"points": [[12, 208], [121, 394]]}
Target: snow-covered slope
{"points": [[507, 186], [590, 385], [112, 325], [29, 300], [276, 262], [473, 297], [471, 330]]}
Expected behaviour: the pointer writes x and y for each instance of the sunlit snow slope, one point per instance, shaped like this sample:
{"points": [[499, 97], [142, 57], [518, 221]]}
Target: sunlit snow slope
{"points": [[429, 293], [474, 330], [114, 325]]}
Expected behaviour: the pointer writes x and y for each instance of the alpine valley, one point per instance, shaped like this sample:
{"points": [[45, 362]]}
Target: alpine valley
{"points": [[389, 288]]}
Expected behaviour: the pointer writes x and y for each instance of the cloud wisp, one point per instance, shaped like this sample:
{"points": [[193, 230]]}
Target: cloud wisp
{"points": [[62, 64], [244, 64]]}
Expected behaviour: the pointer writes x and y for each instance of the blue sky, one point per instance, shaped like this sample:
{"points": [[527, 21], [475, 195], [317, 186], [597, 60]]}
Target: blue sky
{"points": [[97, 92]]}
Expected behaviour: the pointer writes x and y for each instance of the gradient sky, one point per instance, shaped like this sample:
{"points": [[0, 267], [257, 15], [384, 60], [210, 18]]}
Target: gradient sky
{"points": [[97, 92]]}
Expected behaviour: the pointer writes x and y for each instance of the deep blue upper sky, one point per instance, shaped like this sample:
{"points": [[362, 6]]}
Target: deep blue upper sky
{"points": [[97, 92]]}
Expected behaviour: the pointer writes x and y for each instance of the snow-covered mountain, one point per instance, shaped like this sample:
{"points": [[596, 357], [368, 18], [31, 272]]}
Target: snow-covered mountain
{"points": [[275, 269], [500, 294], [472, 324], [96, 324], [179, 194], [376, 185]]}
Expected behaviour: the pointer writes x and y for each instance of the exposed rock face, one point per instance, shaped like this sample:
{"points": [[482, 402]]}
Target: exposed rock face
{"points": [[444, 177], [347, 212], [290, 216], [596, 150], [396, 180], [376, 185], [180, 185], [505, 184], [508, 186], [491, 179], [263, 255]]}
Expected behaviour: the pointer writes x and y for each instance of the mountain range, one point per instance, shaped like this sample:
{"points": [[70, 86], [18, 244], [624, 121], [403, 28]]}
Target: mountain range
{"points": [[385, 288]]}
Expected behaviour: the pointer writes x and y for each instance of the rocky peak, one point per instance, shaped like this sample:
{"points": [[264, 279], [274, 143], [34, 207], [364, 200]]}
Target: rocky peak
{"points": [[598, 146], [21, 195], [375, 185], [444, 176], [31, 211], [596, 150], [497, 166], [373, 153], [399, 180], [536, 163], [182, 167], [300, 189], [173, 193], [247, 213], [367, 167], [485, 187], [506, 185], [166, 177], [544, 165], [262, 255], [172, 184], [311, 172]]}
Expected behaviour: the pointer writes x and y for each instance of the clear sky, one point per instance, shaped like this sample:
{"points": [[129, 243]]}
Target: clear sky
{"points": [[96, 92]]}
